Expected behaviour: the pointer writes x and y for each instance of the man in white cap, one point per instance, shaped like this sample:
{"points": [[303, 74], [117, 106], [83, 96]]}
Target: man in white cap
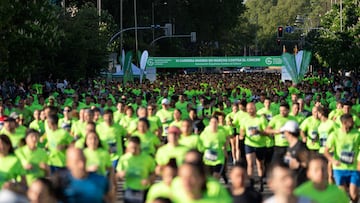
{"points": [[297, 154], [166, 116]]}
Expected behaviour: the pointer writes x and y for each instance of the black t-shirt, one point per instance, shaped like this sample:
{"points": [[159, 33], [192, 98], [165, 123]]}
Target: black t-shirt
{"points": [[301, 153], [249, 196]]}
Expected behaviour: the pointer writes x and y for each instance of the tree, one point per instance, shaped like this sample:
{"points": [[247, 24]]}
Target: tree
{"points": [[84, 51], [30, 36], [335, 48]]}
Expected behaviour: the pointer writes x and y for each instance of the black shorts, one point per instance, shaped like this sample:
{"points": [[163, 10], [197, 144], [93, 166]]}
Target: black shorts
{"points": [[216, 169], [259, 151]]}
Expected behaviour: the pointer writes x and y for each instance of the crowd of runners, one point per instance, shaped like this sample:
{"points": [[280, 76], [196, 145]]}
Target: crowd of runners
{"points": [[72, 142]]}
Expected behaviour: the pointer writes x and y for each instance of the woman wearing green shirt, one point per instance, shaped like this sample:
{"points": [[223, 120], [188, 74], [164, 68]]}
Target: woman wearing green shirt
{"points": [[98, 158], [33, 159], [163, 188], [10, 167]]}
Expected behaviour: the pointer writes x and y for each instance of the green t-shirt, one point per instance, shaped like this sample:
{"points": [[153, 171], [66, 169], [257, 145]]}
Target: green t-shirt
{"points": [[78, 129], [310, 127], [265, 112], [126, 121], [259, 105], [59, 137], [238, 118], [183, 109], [118, 116], [136, 168], [299, 117], [15, 137], [191, 141], [257, 123], [149, 142], [167, 152], [112, 136], [159, 189], [325, 129], [166, 117], [100, 158], [355, 119], [176, 123], [10, 168], [155, 123], [36, 157], [334, 114], [332, 194], [38, 125], [276, 123], [213, 145], [345, 147], [215, 191]]}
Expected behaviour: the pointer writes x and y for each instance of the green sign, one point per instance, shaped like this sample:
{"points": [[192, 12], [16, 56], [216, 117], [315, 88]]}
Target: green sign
{"points": [[234, 61]]}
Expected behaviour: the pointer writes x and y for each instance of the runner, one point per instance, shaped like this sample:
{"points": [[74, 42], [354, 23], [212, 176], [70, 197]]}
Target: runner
{"points": [[10, 167], [241, 193], [309, 131], [112, 134], [33, 159], [253, 129], [58, 140], [345, 142], [170, 150], [282, 184], [213, 142], [137, 169], [317, 188], [297, 155], [163, 188], [166, 117], [187, 138], [325, 128], [280, 143]]}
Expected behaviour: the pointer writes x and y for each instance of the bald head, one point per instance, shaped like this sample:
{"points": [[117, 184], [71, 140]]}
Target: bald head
{"points": [[76, 162], [251, 109]]}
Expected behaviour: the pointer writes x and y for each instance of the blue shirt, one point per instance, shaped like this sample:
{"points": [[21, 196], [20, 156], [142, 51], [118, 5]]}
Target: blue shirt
{"points": [[92, 189]]}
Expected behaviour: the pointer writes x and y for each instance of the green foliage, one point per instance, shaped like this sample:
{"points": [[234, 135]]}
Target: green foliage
{"points": [[39, 39], [335, 48], [30, 36], [84, 52]]}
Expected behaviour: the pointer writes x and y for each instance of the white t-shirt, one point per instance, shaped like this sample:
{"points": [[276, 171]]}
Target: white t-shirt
{"points": [[272, 199]]}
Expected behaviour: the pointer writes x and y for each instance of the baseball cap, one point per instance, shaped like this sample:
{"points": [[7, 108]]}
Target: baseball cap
{"points": [[165, 101], [290, 126], [175, 130]]}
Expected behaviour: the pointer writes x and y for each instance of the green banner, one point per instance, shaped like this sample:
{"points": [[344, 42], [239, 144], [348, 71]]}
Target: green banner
{"points": [[194, 62]]}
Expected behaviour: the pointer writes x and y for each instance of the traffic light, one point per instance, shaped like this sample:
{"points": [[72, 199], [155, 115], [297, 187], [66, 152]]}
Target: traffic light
{"points": [[280, 32], [278, 42]]}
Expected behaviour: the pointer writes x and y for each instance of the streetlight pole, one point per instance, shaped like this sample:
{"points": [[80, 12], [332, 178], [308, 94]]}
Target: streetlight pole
{"points": [[121, 25], [99, 7], [341, 18], [153, 18], [136, 33]]}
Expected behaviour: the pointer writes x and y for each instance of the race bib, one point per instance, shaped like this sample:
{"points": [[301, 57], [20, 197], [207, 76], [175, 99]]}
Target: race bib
{"points": [[253, 130], [112, 147], [134, 196], [166, 130], [314, 135], [347, 157], [322, 140], [282, 136], [211, 155], [268, 117]]}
